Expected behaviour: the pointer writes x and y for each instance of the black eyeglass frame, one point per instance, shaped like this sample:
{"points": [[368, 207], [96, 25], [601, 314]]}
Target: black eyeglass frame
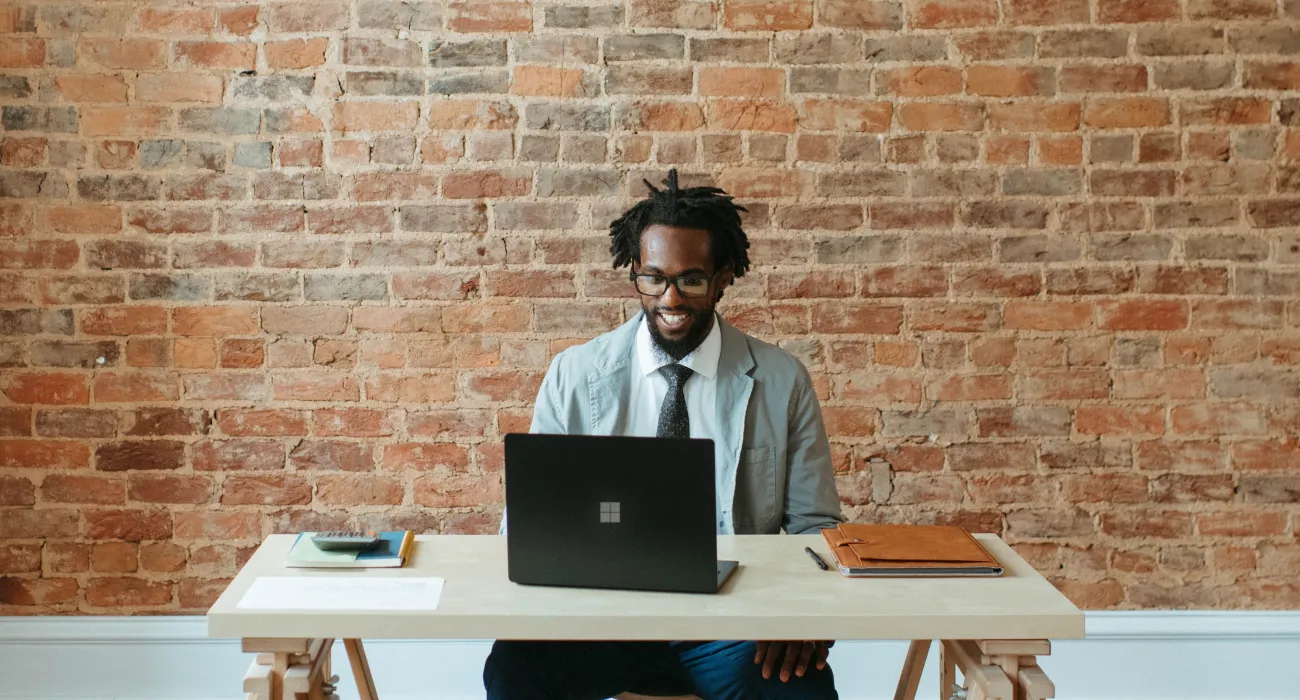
{"points": [[632, 276]]}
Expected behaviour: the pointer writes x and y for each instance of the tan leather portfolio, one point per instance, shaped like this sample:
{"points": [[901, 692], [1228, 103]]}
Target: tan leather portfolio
{"points": [[908, 550]]}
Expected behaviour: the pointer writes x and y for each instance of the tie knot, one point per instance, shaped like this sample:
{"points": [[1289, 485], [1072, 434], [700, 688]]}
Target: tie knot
{"points": [[676, 374]]}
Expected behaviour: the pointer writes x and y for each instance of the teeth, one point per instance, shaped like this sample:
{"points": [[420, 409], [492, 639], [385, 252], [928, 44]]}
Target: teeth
{"points": [[673, 318]]}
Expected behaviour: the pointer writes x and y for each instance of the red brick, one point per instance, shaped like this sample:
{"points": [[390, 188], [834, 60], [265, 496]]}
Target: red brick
{"points": [[1271, 454], [953, 317], [984, 387], [358, 489], [42, 592], [1105, 488], [1182, 383], [661, 116], [1156, 315], [127, 592], [115, 557], [315, 388], [261, 422], [67, 488], [20, 558], [131, 387], [34, 255], [859, 14], [162, 557], [1047, 315], [425, 457], [43, 454], [843, 317], [486, 183], [1065, 384], [1119, 420], [266, 490], [1033, 12], [66, 557], [129, 54], [214, 54], [186, 87], [224, 455], [941, 116], [1236, 314], [742, 82], [1126, 112], [418, 389], [502, 386], [128, 525], [1226, 111], [332, 455], [376, 116], [351, 422], [548, 81], [91, 88], [1034, 116], [176, 22], [1240, 524], [490, 17], [1217, 419], [1103, 78], [976, 456], [767, 15], [764, 115], [922, 81], [1121, 11], [294, 54], [170, 488], [1010, 81], [878, 389], [21, 52], [457, 491], [1145, 522], [932, 14], [213, 525], [459, 114], [214, 321]]}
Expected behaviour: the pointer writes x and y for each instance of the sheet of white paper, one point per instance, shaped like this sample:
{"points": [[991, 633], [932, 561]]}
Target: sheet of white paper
{"points": [[342, 593]]}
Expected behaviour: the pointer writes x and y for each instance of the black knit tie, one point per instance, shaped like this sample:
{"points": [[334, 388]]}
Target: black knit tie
{"points": [[673, 421]]}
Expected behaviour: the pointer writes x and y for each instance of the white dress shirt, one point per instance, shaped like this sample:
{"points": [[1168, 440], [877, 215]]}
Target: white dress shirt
{"points": [[649, 387]]}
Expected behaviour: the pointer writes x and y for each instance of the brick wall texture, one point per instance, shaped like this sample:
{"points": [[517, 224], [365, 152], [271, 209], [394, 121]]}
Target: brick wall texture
{"points": [[300, 265]]}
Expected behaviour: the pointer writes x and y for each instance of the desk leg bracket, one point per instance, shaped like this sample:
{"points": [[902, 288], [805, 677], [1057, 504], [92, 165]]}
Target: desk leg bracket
{"points": [[299, 669]]}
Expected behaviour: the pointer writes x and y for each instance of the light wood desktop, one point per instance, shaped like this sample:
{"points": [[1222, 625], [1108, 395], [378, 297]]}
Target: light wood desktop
{"points": [[992, 628]]}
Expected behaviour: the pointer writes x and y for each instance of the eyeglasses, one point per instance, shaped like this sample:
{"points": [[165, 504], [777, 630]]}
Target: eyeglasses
{"points": [[687, 285]]}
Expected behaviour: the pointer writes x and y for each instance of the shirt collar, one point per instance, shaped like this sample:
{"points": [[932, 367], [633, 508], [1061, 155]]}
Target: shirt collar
{"points": [[702, 360]]}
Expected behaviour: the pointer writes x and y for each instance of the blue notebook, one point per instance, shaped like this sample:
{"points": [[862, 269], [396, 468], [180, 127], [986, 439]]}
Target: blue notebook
{"points": [[391, 554]]}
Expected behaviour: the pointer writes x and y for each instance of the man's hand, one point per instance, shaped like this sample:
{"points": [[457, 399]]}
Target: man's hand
{"points": [[794, 657]]}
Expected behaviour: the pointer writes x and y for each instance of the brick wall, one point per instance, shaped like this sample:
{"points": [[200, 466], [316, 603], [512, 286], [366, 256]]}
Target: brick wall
{"points": [[300, 265]]}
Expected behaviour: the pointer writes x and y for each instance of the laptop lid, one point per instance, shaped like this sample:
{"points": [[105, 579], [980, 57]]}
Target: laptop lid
{"points": [[611, 512]]}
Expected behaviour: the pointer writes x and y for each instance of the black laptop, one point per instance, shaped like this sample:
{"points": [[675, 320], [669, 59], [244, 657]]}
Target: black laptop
{"points": [[612, 512]]}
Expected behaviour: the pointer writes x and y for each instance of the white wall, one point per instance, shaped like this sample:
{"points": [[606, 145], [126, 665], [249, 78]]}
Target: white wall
{"points": [[1127, 656]]}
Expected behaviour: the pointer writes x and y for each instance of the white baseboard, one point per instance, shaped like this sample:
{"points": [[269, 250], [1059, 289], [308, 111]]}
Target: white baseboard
{"points": [[1127, 656]]}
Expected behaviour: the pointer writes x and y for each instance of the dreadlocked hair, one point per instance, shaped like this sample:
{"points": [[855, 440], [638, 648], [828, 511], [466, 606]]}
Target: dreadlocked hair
{"points": [[707, 208]]}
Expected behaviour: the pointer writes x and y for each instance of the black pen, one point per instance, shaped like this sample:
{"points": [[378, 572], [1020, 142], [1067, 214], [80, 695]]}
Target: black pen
{"points": [[820, 564]]}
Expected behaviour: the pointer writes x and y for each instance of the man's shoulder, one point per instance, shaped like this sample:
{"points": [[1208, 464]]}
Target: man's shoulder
{"points": [[771, 359], [595, 352]]}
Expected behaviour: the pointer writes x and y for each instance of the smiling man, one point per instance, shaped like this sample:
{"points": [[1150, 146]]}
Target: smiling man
{"points": [[687, 373]]}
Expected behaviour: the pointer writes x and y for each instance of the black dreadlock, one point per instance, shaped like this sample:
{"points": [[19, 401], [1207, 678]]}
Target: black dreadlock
{"points": [[707, 208]]}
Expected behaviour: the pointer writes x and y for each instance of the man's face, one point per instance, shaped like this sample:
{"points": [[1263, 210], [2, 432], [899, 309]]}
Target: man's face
{"points": [[678, 323]]}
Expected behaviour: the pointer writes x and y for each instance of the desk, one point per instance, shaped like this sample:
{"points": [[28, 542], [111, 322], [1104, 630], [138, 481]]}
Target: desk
{"points": [[991, 628]]}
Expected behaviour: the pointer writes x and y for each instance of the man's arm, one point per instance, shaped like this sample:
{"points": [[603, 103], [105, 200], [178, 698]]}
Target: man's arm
{"points": [[811, 501]]}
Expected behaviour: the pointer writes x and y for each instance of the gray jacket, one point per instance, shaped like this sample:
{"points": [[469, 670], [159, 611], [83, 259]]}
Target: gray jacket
{"points": [[781, 463]]}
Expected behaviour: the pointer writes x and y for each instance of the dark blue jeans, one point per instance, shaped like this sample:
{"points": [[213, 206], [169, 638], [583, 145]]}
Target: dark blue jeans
{"points": [[598, 670]]}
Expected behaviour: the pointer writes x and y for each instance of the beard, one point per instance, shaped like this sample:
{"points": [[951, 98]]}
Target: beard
{"points": [[696, 332]]}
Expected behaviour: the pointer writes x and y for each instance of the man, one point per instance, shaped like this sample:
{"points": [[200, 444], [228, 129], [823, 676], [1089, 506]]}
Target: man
{"points": [[679, 370]]}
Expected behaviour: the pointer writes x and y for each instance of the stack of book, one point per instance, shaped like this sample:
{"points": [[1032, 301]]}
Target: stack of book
{"points": [[391, 553]]}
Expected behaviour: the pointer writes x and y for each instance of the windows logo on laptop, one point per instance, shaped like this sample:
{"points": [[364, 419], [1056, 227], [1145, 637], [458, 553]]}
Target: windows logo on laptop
{"points": [[609, 511]]}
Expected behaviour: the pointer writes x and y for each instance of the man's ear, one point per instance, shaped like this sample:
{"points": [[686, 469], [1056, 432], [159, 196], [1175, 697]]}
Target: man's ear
{"points": [[724, 280]]}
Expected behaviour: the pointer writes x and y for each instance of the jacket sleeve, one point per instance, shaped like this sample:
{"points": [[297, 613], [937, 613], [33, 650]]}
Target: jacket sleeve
{"points": [[811, 501], [546, 413]]}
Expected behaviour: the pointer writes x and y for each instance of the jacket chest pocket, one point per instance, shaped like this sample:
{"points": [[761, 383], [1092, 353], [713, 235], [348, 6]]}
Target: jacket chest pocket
{"points": [[757, 482]]}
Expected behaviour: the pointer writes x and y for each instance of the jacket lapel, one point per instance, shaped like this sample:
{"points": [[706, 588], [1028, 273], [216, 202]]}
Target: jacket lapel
{"points": [[608, 379], [734, 388]]}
